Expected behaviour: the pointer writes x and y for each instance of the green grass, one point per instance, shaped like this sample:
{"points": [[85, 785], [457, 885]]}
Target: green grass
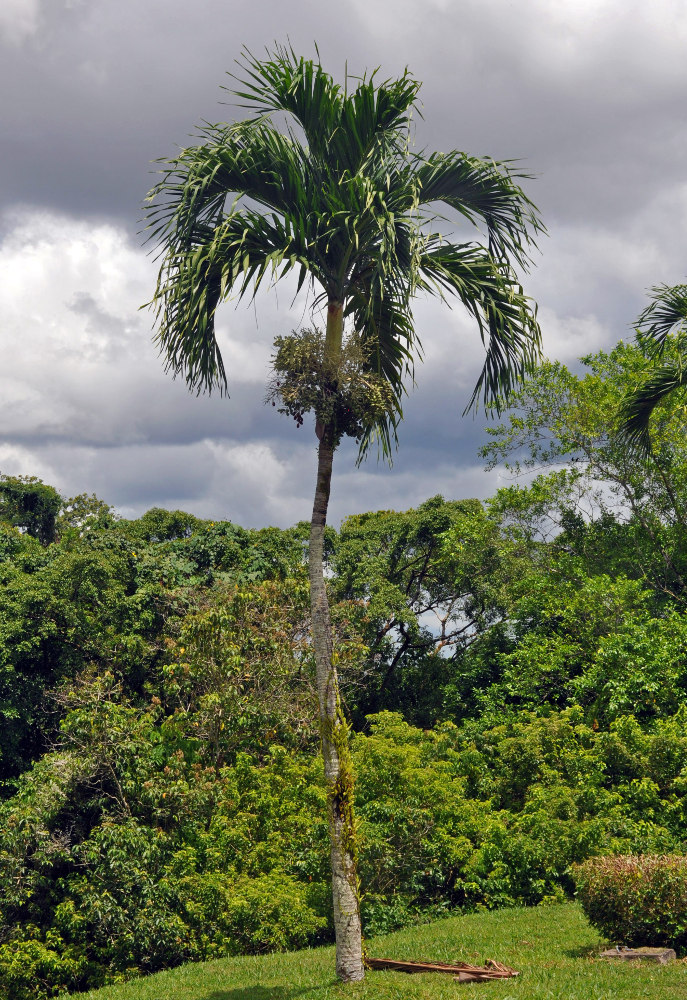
{"points": [[553, 948]]}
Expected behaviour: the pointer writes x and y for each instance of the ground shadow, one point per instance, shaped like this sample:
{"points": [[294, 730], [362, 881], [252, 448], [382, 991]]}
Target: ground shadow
{"points": [[583, 951], [258, 993]]}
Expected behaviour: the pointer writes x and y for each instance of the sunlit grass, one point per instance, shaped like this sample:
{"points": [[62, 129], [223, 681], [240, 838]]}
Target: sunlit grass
{"points": [[553, 948]]}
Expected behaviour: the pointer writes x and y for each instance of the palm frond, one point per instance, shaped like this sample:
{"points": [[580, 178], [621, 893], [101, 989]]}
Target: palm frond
{"points": [[188, 291], [375, 119], [666, 314], [506, 317], [385, 325], [286, 82], [341, 129], [638, 406], [252, 160], [483, 191], [240, 252], [662, 323]]}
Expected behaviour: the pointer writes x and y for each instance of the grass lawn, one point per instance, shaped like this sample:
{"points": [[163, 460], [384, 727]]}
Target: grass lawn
{"points": [[553, 948]]}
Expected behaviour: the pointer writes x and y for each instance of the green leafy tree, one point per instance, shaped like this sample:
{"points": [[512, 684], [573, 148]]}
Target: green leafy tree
{"points": [[28, 503], [616, 510], [108, 593], [84, 513], [338, 198], [420, 586]]}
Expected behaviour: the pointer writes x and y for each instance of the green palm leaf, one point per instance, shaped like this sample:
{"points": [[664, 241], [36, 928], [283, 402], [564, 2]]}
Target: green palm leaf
{"points": [[662, 324], [339, 129], [639, 405], [505, 317], [666, 314], [483, 191]]}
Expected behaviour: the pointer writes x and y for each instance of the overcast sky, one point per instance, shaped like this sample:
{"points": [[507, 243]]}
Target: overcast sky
{"points": [[590, 94]]}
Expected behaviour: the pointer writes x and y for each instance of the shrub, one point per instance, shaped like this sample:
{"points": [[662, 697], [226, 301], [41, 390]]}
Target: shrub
{"points": [[636, 899], [31, 969]]}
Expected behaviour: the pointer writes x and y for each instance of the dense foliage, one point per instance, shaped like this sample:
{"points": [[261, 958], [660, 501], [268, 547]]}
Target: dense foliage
{"points": [[637, 900], [515, 672]]}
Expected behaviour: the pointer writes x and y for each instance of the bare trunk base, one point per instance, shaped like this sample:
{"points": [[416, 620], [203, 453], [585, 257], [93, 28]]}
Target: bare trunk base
{"points": [[334, 731]]}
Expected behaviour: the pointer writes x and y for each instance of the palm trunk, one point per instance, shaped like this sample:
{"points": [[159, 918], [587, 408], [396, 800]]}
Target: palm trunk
{"points": [[333, 727]]}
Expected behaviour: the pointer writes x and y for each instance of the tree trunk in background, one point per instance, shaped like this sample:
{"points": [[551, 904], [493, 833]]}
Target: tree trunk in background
{"points": [[333, 727]]}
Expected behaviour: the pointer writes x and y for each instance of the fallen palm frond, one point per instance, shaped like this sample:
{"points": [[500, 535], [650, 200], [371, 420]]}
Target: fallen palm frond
{"points": [[463, 972]]}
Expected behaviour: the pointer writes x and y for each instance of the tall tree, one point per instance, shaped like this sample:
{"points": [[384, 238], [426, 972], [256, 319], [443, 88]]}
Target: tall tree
{"points": [[662, 325], [322, 182], [30, 504]]}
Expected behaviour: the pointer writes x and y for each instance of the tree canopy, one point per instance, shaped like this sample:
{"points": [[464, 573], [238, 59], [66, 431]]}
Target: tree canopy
{"points": [[515, 674]]}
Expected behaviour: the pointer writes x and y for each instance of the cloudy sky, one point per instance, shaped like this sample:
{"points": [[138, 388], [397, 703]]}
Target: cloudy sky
{"points": [[590, 94]]}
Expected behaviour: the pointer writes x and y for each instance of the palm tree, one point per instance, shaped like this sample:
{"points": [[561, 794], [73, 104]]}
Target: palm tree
{"points": [[662, 324], [337, 196]]}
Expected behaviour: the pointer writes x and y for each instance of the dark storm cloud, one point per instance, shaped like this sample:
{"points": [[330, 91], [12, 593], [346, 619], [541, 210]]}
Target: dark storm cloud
{"points": [[591, 97], [102, 89]]}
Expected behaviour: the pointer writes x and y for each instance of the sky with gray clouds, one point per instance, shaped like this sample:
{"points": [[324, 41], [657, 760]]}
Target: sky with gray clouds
{"points": [[591, 95]]}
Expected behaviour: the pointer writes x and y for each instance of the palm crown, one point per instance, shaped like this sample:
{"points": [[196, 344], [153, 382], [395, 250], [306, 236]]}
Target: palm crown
{"points": [[338, 197]]}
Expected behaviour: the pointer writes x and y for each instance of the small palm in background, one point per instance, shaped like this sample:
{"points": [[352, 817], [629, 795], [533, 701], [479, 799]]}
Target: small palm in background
{"points": [[662, 329]]}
